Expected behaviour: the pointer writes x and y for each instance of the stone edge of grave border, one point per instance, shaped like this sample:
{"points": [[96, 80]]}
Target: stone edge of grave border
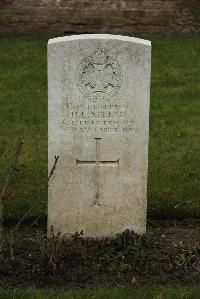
{"points": [[99, 36]]}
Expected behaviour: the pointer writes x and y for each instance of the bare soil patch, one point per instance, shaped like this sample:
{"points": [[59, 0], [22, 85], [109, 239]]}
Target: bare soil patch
{"points": [[168, 254]]}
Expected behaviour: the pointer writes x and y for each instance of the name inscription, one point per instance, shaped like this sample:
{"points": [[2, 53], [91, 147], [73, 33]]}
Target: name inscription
{"points": [[97, 118]]}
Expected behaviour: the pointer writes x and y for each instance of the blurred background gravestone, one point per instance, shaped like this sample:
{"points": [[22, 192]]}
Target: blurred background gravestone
{"points": [[130, 17]]}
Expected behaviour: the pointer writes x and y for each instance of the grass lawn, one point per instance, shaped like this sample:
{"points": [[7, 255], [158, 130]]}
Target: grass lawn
{"points": [[173, 185], [102, 293]]}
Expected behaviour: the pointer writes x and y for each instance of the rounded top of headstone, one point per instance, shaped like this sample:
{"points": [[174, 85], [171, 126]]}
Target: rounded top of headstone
{"points": [[100, 37]]}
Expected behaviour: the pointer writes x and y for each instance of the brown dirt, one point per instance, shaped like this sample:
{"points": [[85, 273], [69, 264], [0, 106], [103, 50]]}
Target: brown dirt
{"points": [[128, 259]]}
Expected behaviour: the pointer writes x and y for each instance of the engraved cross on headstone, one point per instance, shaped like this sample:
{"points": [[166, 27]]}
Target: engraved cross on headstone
{"points": [[97, 164]]}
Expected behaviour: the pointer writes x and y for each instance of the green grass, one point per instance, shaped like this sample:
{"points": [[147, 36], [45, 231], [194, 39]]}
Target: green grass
{"points": [[173, 185], [174, 160], [102, 293], [23, 101]]}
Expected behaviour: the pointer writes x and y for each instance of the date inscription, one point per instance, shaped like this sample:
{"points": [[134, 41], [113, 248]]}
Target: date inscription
{"points": [[99, 118]]}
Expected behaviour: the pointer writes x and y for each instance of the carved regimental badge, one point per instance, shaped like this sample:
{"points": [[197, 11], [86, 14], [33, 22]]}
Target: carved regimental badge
{"points": [[99, 76]]}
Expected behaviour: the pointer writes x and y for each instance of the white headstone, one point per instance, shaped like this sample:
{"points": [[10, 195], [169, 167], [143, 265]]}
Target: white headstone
{"points": [[99, 91]]}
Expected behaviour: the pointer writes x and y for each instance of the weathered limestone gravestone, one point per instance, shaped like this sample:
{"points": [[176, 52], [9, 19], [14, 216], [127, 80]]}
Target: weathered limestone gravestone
{"points": [[99, 91]]}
